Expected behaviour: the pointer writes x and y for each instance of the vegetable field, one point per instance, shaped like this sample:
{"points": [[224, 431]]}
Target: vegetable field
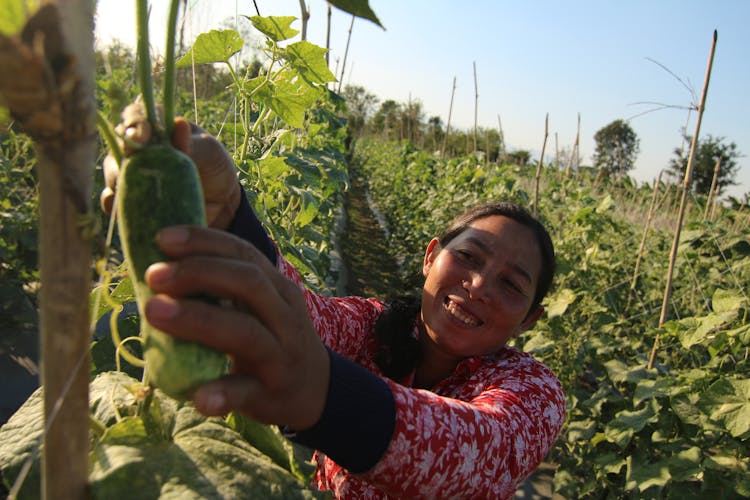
{"points": [[655, 409]]}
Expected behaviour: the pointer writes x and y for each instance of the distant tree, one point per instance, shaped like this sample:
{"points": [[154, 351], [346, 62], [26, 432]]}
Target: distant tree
{"points": [[386, 119], [617, 147], [518, 157], [360, 105], [435, 132], [708, 151], [412, 119]]}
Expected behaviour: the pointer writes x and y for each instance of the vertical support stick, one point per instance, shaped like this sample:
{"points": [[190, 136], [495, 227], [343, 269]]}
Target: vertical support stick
{"points": [[540, 166], [65, 182], [448, 125], [476, 105], [683, 202]]}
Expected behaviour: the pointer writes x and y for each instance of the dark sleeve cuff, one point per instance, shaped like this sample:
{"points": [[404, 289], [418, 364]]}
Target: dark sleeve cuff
{"points": [[358, 420], [247, 226]]}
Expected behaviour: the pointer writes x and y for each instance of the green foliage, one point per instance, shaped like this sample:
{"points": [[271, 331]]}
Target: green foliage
{"points": [[18, 208]]}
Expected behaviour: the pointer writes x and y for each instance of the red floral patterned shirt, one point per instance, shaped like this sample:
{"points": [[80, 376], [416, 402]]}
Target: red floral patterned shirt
{"points": [[476, 434]]}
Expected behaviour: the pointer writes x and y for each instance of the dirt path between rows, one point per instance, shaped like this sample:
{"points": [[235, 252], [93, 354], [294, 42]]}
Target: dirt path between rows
{"points": [[371, 270]]}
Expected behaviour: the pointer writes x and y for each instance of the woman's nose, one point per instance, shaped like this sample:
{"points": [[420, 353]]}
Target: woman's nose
{"points": [[475, 285]]}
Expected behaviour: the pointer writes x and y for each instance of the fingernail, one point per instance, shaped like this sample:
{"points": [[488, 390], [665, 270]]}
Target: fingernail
{"points": [[161, 308], [159, 273], [173, 236]]}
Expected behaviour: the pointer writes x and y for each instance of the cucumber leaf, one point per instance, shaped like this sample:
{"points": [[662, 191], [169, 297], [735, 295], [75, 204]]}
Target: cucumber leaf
{"points": [[277, 28], [359, 8], [212, 47], [169, 451]]}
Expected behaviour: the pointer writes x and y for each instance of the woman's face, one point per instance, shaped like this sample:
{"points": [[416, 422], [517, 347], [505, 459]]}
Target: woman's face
{"points": [[479, 287]]}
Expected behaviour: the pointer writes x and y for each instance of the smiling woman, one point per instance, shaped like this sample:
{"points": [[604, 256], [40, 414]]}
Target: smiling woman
{"points": [[322, 368]]}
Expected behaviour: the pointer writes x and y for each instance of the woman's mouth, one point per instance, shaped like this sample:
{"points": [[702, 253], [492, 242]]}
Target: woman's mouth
{"points": [[460, 313]]}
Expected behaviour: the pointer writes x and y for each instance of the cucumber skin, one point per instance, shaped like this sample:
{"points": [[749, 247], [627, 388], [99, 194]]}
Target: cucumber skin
{"points": [[159, 187]]}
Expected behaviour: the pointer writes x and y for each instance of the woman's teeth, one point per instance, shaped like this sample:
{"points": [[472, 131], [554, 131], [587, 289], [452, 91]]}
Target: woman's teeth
{"points": [[458, 313]]}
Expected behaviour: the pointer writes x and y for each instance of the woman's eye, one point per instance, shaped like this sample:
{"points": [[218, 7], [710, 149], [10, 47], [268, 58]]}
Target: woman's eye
{"points": [[465, 255], [513, 286]]}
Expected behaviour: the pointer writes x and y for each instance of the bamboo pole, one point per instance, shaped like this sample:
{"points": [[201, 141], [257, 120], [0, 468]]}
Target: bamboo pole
{"points": [[328, 34], [574, 152], [540, 165], [448, 124], [476, 105], [649, 219], [48, 86], [711, 195], [346, 52], [305, 18], [683, 203]]}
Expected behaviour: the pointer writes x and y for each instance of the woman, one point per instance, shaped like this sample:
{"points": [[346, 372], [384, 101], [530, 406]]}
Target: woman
{"points": [[422, 401]]}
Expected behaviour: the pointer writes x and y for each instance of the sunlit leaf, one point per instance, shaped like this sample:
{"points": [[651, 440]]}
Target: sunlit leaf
{"points": [[728, 402], [726, 301], [647, 389], [706, 328], [605, 204], [557, 304], [309, 60], [277, 28], [212, 47]]}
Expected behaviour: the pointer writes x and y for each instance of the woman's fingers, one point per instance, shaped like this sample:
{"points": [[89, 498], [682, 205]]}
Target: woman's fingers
{"points": [[220, 328], [244, 283]]}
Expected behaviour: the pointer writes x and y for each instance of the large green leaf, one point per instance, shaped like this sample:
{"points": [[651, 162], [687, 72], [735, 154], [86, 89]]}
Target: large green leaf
{"points": [[557, 304], [726, 301], [212, 47], [309, 61], [642, 475], [626, 423], [360, 8], [728, 402], [277, 28], [706, 328]]}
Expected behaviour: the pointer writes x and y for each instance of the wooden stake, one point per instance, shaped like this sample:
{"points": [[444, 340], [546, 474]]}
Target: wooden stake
{"points": [[540, 165], [649, 218], [448, 125], [476, 105], [346, 52], [50, 92], [683, 203], [711, 195]]}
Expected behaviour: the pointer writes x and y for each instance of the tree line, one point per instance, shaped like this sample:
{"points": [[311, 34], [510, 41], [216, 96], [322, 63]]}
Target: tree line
{"points": [[616, 144]]}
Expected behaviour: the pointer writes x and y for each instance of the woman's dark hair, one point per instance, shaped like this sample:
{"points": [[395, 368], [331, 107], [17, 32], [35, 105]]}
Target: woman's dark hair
{"points": [[399, 350]]}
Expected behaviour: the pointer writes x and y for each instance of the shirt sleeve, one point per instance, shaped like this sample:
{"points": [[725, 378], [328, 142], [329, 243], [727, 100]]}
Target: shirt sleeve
{"points": [[480, 448]]}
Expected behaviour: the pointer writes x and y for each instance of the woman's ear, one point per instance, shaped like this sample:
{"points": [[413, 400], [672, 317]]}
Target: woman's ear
{"points": [[433, 248]]}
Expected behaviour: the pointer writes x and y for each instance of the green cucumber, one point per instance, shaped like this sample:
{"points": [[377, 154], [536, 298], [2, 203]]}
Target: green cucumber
{"points": [[158, 187]]}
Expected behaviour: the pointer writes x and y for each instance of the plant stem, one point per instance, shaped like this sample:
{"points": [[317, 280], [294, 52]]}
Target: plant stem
{"points": [[169, 72], [144, 67]]}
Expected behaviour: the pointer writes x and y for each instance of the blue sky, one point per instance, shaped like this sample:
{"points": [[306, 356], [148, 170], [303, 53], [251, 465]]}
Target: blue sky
{"points": [[532, 58]]}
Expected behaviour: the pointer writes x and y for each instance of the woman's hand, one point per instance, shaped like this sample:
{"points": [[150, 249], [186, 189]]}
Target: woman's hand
{"points": [[280, 368], [217, 171]]}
